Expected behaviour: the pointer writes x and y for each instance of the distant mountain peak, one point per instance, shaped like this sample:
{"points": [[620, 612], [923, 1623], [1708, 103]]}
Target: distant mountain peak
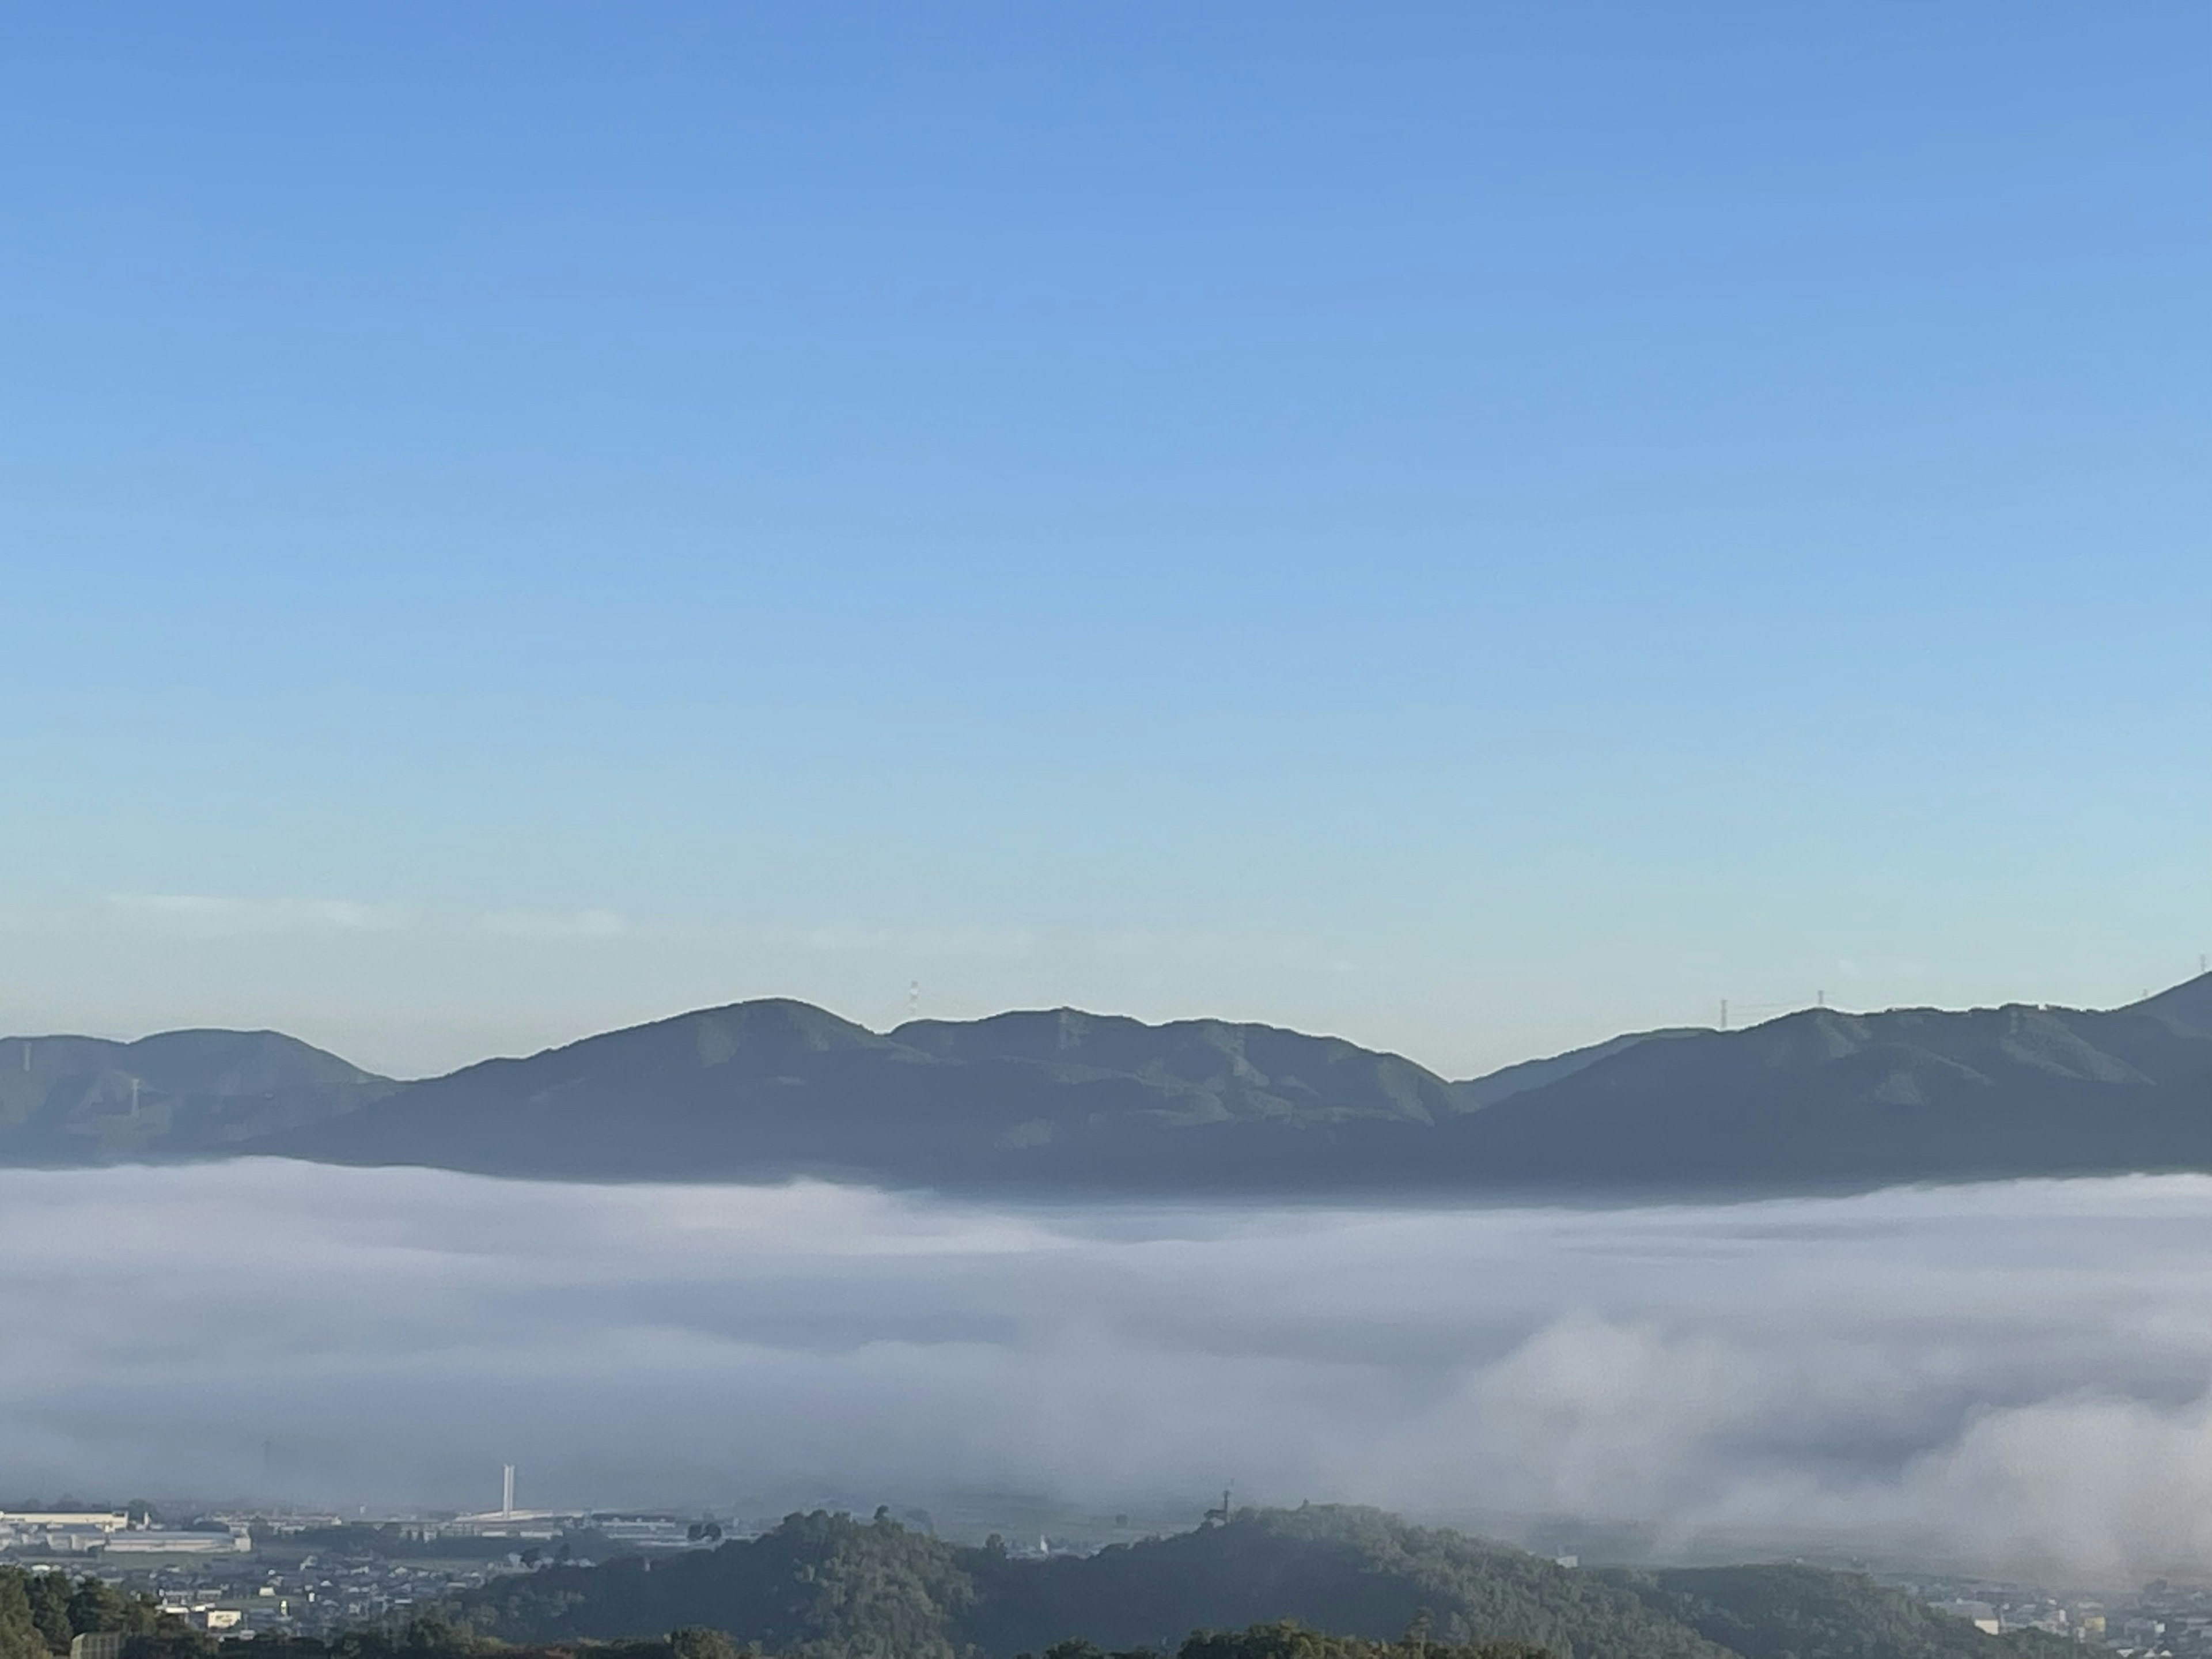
{"points": [[77, 1099]]}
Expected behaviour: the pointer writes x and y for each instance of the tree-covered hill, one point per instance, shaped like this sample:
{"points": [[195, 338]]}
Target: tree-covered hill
{"points": [[819, 1584], [1797, 1612], [81, 1100], [1345, 1570], [774, 1088], [1822, 1096], [1288, 1639], [1063, 1102], [830, 1587], [1345, 1583]]}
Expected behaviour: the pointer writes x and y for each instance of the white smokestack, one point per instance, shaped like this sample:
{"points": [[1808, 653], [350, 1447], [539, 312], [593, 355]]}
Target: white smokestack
{"points": [[507, 1490]]}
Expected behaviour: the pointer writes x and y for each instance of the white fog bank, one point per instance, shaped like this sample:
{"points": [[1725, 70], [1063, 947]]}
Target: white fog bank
{"points": [[2012, 1376]]}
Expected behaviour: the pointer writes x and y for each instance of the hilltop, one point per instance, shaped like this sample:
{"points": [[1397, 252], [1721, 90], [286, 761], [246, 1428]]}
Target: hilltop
{"points": [[81, 1100], [829, 1585]]}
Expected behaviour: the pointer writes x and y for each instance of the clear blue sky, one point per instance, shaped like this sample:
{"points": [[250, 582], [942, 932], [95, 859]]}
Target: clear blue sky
{"points": [[1467, 526]]}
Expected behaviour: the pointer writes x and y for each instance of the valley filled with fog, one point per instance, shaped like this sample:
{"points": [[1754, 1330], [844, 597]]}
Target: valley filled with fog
{"points": [[2006, 1375]]}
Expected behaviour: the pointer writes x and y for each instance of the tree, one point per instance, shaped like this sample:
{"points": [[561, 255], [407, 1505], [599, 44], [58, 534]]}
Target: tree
{"points": [[50, 1604], [97, 1607], [1077, 1647], [19, 1635], [697, 1642]]}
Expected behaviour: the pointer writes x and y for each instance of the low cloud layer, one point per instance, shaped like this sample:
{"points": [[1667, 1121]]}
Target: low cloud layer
{"points": [[2012, 1376]]}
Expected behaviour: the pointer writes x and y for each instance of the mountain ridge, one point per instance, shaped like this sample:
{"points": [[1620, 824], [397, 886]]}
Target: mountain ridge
{"points": [[1063, 1100]]}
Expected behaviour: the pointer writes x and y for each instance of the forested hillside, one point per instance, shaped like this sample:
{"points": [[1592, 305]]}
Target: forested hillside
{"points": [[1063, 1102], [1349, 1571], [41, 1614], [1794, 1612], [1060, 1100], [84, 1100], [834, 1588], [1339, 1584]]}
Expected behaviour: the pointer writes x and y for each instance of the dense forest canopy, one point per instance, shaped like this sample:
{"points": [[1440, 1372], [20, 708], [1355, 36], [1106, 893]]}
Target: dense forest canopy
{"points": [[1320, 1582], [833, 1587], [41, 1612]]}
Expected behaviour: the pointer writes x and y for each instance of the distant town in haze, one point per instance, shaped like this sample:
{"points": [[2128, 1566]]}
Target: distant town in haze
{"points": [[161, 1581]]}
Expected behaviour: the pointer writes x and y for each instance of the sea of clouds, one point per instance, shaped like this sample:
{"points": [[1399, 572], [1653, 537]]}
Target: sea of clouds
{"points": [[2009, 1375]]}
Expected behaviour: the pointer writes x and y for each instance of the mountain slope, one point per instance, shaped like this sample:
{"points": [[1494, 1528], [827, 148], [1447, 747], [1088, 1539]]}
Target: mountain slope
{"points": [[1494, 1087], [75, 1100], [833, 1587], [836, 1584], [1345, 1569], [1206, 1069], [1062, 1101], [1795, 1611], [766, 1089], [1909, 1094], [2185, 1009]]}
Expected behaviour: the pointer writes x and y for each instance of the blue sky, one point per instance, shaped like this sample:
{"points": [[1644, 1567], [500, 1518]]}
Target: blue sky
{"points": [[1470, 527]]}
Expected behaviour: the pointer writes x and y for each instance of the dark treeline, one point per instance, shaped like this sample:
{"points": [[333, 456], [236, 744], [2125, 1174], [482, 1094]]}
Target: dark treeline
{"points": [[1314, 1582], [41, 1612], [435, 1639], [834, 1587], [837, 1588]]}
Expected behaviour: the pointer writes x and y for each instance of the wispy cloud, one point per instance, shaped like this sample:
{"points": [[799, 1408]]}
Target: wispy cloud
{"points": [[217, 913], [211, 914], [557, 924]]}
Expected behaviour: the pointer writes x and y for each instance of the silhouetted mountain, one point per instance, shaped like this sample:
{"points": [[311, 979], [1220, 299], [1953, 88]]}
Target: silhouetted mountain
{"points": [[1204, 1071], [1064, 1101], [775, 1087], [830, 1586], [75, 1100], [1494, 1087], [1910, 1094], [2185, 1009]]}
